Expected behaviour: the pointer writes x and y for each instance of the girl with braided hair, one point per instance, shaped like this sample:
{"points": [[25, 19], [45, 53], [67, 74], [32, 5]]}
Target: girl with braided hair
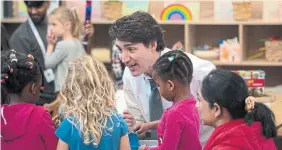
{"points": [[179, 125], [23, 124]]}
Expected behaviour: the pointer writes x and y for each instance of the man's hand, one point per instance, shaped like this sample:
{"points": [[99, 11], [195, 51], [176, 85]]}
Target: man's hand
{"points": [[141, 128], [130, 120]]}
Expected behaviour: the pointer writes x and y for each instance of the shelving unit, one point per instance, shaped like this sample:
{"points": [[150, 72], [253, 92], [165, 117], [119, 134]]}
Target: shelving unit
{"points": [[194, 33]]}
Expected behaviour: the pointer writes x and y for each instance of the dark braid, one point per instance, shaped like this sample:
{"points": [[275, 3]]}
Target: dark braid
{"points": [[17, 70], [175, 65]]}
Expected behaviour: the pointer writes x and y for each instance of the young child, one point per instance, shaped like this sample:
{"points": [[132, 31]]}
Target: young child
{"points": [[179, 125], [23, 124], [88, 108], [239, 121], [64, 23]]}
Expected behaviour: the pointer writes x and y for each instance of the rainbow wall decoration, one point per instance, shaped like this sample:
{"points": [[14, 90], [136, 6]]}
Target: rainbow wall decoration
{"points": [[176, 12]]}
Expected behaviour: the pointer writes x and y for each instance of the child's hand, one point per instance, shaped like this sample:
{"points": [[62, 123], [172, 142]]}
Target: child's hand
{"points": [[51, 37], [56, 121], [140, 128], [142, 147], [130, 120]]}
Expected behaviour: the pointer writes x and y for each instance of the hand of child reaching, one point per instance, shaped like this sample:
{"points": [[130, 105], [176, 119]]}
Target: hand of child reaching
{"points": [[142, 147], [56, 121], [141, 128], [130, 120]]}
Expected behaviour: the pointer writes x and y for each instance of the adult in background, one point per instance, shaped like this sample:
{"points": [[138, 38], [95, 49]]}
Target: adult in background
{"points": [[140, 40], [30, 38], [4, 39]]}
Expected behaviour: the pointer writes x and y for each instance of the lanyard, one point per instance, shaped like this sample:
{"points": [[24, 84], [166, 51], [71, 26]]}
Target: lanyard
{"points": [[37, 36]]}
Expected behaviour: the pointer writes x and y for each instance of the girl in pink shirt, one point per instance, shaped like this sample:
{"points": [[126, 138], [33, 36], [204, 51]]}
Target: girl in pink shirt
{"points": [[179, 125]]}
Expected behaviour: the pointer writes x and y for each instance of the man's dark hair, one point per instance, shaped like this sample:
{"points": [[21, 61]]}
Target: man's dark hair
{"points": [[35, 4], [174, 65], [139, 27]]}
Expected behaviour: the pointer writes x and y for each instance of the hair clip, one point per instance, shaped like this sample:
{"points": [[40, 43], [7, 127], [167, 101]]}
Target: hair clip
{"points": [[250, 103], [179, 49], [4, 75], [30, 56], [171, 58], [30, 65], [41, 88], [11, 70], [3, 81], [13, 57]]}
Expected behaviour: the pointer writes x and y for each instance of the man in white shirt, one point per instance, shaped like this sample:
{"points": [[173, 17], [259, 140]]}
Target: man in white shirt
{"points": [[140, 40]]}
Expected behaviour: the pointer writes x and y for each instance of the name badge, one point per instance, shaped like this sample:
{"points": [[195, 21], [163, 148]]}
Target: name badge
{"points": [[49, 75]]}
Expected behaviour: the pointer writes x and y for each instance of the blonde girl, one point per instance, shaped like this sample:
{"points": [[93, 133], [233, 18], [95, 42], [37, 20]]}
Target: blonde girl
{"points": [[88, 108], [64, 23]]}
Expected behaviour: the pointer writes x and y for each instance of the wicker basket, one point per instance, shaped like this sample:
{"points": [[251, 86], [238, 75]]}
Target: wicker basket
{"points": [[273, 51], [242, 10], [112, 10]]}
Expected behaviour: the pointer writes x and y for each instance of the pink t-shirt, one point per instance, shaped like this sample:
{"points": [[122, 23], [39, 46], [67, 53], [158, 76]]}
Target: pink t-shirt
{"points": [[179, 127]]}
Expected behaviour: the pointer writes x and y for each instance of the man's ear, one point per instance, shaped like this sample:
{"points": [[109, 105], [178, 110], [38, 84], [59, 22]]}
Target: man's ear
{"points": [[153, 46], [170, 85]]}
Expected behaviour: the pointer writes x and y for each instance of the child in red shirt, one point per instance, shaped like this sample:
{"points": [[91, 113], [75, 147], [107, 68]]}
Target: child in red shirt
{"points": [[24, 125], [179, 125], [240, 122]]}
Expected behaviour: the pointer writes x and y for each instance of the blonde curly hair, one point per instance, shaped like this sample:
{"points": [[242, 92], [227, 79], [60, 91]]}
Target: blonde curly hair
{"points": [[88, 97]]}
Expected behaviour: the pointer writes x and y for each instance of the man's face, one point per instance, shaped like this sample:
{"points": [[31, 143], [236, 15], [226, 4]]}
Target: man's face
{"points": [[136, 56], [38, 14]]}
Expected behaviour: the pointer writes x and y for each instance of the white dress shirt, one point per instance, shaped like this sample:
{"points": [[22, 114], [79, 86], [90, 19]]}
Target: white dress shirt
{"points": [[137, 90]]}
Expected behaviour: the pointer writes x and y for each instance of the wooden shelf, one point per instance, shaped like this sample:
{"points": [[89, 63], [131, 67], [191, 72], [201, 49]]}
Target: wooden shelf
{"points": [[199, 22], [258, 62], [13, 20]]}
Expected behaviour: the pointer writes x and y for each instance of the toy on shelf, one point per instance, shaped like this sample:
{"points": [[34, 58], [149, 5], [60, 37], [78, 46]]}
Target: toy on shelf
{"points": [[230, 50], [273, 49], [259, 54], [255, 80], [206, 52], [176, 12]]}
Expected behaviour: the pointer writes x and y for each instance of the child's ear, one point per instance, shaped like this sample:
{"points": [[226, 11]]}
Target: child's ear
{"points": [[217, 110], [170, 85], [32, 88], [67, 25]]}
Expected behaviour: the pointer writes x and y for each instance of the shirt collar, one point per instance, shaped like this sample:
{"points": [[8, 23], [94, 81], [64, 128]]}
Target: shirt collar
{"points": [[145, 75]]}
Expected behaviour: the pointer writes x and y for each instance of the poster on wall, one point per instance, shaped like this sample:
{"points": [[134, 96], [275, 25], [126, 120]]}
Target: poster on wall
{"points": [[180, 10], [272, 10], [223, 10], [129, 7]]}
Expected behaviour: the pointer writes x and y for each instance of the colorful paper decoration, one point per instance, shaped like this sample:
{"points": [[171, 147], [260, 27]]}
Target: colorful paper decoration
{"points": [[176, 12]]}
